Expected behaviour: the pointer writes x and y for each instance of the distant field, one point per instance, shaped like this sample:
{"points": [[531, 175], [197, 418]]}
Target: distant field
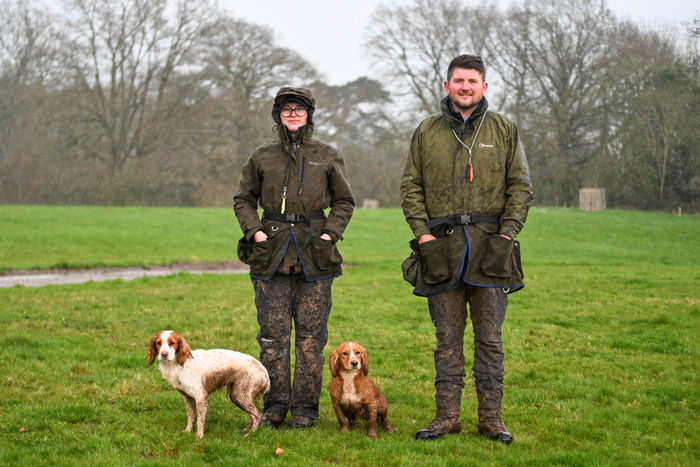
{"points": [[601, 346]]}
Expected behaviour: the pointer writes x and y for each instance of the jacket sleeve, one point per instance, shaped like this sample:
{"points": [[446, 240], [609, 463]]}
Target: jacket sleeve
{"points": [[342, 201], [519, 196], [245, 202], [412, 190]]}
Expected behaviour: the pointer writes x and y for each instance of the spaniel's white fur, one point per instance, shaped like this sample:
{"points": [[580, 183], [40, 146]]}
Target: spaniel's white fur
{"points": [[198, 373], [353, 394]]}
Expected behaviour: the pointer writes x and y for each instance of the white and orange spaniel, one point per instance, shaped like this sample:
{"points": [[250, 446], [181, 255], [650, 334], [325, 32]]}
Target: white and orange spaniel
{"points": [[198, 373], [353, 394]]}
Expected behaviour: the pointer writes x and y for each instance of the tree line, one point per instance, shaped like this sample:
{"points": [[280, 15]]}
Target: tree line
{"points": [[160, 102]]}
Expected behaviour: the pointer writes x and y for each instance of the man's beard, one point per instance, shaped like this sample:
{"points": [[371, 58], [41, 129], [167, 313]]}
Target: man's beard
{"points": [[459, 107]]}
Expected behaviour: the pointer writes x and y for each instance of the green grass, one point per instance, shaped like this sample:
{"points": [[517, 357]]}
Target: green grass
{"points": [[77, 236], [601, 346]]}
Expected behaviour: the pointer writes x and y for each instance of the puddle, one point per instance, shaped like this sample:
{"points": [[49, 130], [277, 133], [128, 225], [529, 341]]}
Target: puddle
{"points": [[41, 278]]}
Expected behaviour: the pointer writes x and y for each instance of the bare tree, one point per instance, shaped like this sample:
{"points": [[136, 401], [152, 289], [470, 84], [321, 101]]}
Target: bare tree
{"points": [[659, 140], [28, 57], [353, 117], [554, 57], [414, 44], [123, 56], [242, 58], [243, 67]]}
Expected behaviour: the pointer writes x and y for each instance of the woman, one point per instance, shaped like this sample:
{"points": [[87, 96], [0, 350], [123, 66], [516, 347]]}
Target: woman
{"points": [[292, 252]]}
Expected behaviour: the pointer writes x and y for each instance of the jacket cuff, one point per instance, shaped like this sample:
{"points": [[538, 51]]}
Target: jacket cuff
{"points": [[510, 228], [332, 234], [249, 233], [419, 227]]}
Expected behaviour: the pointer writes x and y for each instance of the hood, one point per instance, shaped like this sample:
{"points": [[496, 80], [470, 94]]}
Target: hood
{"points": [[302, 95]]}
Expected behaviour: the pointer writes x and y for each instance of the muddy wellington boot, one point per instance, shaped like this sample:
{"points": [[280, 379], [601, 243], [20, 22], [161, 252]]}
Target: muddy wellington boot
{"points": [[445, 421], [491, 426]]}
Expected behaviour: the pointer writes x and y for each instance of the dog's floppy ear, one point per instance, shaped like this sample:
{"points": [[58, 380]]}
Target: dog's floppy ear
{"points": [[152, 350], [333, 362], [183, 350], [364, 358]]}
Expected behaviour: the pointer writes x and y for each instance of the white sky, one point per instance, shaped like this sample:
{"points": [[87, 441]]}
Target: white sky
{"points": [[330, 33]]}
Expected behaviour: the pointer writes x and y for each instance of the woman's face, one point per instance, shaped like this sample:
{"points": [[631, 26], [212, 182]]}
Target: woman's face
{"points": [[292, 120]]}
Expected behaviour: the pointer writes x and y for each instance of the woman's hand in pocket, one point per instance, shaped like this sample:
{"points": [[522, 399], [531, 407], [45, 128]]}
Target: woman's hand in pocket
{"points": [[259, 236], [425, 238]]}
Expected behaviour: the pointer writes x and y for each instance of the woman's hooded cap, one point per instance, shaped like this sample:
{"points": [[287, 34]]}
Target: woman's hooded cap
{"points": [[288, 94]]}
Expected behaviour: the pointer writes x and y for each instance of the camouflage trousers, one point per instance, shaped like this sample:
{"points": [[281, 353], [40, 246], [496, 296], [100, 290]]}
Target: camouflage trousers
{"points": [[448, 311], [284, 300]]}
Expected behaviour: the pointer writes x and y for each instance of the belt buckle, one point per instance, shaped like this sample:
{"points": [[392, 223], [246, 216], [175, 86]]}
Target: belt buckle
{"points": [[289, 217], [465, 219]]}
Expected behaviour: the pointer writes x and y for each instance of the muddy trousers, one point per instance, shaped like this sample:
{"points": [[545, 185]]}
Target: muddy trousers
{"points": [[284, 300], [448, 310]]}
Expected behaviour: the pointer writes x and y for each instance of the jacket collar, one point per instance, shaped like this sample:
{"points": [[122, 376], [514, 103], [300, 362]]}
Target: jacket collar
{"points": [[302, 136], [456, 117]]}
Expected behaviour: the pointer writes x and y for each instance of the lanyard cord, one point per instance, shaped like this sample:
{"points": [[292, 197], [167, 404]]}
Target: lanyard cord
{"points": [[470, 168]]}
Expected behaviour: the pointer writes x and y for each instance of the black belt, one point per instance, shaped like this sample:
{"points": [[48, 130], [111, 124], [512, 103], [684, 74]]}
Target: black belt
{"points": [[461, 219], [294, 218]]}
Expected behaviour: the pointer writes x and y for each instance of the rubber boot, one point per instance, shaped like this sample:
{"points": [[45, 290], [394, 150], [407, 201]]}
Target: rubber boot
{"points": [[491, 426], [446, 421]]}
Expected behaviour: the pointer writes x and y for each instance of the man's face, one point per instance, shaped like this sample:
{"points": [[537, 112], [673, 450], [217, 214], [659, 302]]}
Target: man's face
{"points": [[291, 119], [465, 88]]}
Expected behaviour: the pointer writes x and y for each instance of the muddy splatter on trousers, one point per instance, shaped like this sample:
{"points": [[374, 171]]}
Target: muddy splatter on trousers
{"points": [[448, 311], [284, 300]]}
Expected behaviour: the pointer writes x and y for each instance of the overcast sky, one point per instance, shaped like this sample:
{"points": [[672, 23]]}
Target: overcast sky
{"points": [[330, 33]]}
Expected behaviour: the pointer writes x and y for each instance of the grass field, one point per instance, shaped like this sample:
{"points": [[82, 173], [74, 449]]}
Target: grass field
{"points": [[601, 346]]}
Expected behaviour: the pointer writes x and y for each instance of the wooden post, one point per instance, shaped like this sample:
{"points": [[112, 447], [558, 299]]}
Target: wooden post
{"points": [[591, 199], [370, 203]]}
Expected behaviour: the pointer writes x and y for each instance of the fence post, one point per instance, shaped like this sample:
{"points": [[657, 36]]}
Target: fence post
{"points": [[591, 199]]}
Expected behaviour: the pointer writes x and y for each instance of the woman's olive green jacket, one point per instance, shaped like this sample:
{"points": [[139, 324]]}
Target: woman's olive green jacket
{"points": [[314, 175]]}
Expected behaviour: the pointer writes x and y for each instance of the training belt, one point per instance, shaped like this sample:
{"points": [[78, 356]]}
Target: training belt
{"points": [[461, 219], [294, 218]]}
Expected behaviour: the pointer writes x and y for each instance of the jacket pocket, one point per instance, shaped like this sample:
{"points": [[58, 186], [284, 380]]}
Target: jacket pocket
{"points": [[244, 249], [435, 260], [498, 257], [260, 253], [325, 255]]}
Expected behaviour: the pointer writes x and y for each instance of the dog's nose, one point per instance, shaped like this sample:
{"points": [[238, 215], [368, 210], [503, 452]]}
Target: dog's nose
{"points": [[354, 364], [164, 354]]}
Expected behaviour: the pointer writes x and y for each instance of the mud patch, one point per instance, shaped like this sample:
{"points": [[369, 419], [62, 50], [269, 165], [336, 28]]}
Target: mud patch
{"points": [[77, 276]]}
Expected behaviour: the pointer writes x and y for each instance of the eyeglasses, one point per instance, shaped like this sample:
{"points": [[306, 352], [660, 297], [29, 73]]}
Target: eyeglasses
{"points": [[287, 111]]}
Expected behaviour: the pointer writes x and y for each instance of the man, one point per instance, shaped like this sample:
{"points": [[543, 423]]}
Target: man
{"points": [[466, 193]]}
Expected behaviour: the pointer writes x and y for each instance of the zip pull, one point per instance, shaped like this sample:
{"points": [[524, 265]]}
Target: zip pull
{"points": [[303, 167], [284, 198]]}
